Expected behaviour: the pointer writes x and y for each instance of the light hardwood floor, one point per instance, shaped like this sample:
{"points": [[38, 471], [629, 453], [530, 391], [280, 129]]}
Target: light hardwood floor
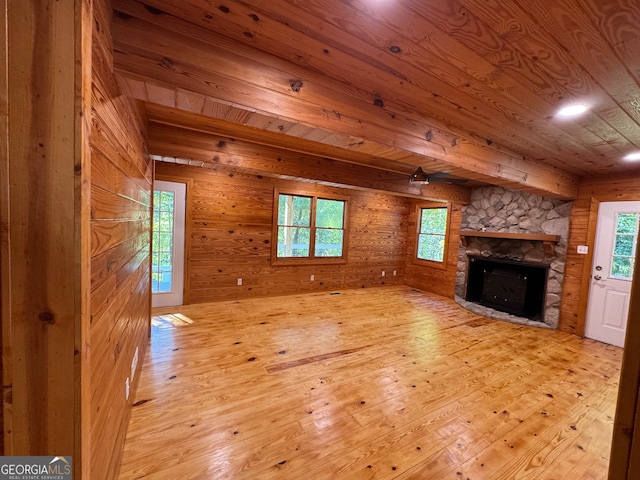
{"points": [[385, 383]]}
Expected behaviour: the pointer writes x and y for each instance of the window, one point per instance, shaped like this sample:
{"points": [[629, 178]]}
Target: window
{"points": [[433, 222], [162, 246], [624, 249], [309, 228], [168, 242]]}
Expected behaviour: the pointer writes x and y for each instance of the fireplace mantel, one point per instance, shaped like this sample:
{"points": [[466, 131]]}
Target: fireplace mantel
{"points": [[548, 240]]}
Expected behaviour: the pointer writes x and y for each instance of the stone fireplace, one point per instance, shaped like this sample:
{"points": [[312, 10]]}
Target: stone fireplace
{"points": [[513, 230]]}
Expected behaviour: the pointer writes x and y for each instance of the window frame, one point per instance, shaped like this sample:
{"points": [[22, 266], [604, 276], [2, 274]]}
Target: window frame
{"points": [[155, 248], [311, 259], [418, 215], [634, 243]]}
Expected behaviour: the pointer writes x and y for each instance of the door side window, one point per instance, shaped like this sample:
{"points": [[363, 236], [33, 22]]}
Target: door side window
{"points": [[624, 246], [162, 244]]}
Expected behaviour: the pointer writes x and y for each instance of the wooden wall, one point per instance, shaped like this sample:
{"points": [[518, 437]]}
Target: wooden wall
{"points": [[231, 225], [121, 179], [4, 192], [432, 279], [625, 446], [582, 230], [74, 243], [44, 227]]}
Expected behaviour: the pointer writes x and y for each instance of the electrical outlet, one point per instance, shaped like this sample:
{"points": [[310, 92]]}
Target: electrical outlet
{"points": [[134, 364], [126, 389], [312, 278], [394, 273], [383, 273], [239, 282], [583, 249]]}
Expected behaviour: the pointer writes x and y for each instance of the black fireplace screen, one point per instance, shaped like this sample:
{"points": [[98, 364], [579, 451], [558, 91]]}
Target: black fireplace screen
{"points": [[513, 287]]}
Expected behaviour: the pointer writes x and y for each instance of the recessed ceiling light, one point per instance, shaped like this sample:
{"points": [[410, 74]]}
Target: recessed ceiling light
{"points": [[572, 110], [633, 157]]}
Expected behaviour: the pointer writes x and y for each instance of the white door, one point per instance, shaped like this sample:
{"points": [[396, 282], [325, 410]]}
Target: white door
{"points": [[613, 262], [167, 245]]}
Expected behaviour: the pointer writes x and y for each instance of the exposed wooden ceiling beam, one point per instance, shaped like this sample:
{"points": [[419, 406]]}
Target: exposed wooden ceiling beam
{"points": [[261, 130], [256, 131], [226, 153], [186, 63]]}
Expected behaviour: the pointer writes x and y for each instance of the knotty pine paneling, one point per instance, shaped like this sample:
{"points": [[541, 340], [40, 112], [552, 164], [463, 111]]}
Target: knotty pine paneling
{"points": [[436, 280], [4, 206], [248, 73], [233, 154], [2, 452], [120, 226], [582, 232], [231, 230], [44, 234]]}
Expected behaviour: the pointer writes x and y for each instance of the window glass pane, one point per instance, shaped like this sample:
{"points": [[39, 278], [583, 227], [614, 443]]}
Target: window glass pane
{"points": [[167, 201], [622, 267], [293, 241], [624, 245], [164, 261], [624, 250], [431, 247], [166, 222], [433, 220], [329, 242], [329, 213], [164, 284], [166, 242], [294, 210], [627, 223], [162, 242]]}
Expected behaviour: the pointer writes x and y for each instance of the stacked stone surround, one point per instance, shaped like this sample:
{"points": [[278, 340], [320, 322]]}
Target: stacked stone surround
{"points": [[495, 209]]}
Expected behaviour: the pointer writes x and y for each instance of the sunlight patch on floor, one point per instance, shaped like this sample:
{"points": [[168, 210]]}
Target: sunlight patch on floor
{"points": [[170, 320]]}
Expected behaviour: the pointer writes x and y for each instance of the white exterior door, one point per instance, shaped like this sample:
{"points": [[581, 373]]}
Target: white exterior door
{"points": [[613, 263], [167, 245]]}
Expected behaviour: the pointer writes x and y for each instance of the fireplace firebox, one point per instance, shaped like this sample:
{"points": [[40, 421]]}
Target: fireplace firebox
{"points": [[509, 286]]}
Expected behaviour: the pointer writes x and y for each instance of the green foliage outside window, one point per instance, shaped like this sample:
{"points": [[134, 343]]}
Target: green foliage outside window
{"points": [[432, 234], [294, 210], [297, 228], [294, 226], [624, 250], [329, 228], [162, 242]]}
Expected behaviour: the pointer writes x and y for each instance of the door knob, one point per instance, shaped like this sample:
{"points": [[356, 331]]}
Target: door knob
{"points": [[597, 277]]}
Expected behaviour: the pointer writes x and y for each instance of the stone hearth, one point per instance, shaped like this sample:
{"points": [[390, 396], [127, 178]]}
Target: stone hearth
{"points": [[494, 209]]}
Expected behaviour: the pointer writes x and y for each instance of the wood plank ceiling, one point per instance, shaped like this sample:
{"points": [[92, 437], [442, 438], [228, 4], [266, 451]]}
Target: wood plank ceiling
{"points": [[467, 87]]}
